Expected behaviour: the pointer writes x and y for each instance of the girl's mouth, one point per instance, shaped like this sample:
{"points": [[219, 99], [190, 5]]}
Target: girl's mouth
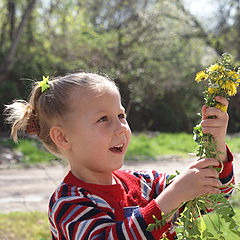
{"points": [[117, 148]]}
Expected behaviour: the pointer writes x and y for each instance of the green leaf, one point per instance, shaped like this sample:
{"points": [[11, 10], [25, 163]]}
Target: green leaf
{"points": [[150, 227], [177, 172], [170, 178]]}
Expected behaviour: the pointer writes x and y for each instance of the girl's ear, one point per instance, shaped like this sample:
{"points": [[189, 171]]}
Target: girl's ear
{"points": [[58, 136]]}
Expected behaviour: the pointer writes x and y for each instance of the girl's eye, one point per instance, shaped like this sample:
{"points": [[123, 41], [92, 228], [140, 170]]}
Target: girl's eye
{"points": [[122, 116], [102, 119]]}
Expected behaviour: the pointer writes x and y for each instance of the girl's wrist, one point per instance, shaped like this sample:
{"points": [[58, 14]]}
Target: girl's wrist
{"points": [[168, 200], [222, 149]]}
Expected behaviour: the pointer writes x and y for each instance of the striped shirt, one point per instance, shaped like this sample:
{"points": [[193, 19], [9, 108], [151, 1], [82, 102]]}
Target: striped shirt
{"points": [[79, 210]]}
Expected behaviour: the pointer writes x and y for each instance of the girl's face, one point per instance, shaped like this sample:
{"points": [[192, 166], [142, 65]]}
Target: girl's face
{"points": [[98, 132]]}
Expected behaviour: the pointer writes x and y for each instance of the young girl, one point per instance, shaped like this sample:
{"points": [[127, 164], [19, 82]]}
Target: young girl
{"points": [[80, 118]]}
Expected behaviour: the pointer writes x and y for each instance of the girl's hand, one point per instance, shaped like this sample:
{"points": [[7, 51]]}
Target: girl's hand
{"points": [[197, 180], [217, 126]]}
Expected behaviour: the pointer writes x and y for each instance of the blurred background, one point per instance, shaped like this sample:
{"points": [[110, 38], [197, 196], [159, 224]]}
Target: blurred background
{"points": [[151, 48]]}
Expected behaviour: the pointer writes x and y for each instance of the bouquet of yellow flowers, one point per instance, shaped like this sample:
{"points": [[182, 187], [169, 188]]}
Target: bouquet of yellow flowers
{"points": [[220, 79]]}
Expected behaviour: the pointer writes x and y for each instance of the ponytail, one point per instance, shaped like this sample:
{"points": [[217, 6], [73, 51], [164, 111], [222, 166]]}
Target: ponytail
{"points": [[21, 115], [18, 114]]}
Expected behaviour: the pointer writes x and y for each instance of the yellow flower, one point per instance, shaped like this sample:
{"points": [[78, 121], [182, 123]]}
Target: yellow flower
{"points": [[231, 88], [215, 67], [221, 107], [220, 76], [233, 74], [212, 90], [201, 76]]}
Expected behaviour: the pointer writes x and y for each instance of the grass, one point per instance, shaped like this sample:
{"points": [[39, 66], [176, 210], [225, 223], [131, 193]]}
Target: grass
{"points": [[32, 151], [24, 226], [233, 143], [141, 147], [161, 144]]}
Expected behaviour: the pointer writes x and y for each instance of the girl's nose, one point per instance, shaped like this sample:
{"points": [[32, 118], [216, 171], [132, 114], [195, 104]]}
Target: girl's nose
{"points": [[121, 128]]}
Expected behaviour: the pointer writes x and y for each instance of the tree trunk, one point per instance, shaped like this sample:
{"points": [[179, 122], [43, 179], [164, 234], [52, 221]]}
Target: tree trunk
{"points": [[11, 10], [238, 32], [9, 61]]}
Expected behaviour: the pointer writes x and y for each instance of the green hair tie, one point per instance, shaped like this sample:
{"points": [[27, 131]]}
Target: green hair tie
{"points": [[44, 83]]}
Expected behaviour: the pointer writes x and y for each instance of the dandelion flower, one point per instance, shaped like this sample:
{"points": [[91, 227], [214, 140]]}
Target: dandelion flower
{"points": [[221, 107], [218, 77], [232, 89], [212, 90], [201, 76], [215, 67], [229, 86], [233, 74]]}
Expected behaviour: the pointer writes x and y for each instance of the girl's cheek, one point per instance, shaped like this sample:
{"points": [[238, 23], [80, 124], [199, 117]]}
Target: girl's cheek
{"points": [[130, 134]]}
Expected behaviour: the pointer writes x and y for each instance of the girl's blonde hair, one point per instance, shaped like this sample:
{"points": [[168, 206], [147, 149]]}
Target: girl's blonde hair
{"points": [[51, 105]]}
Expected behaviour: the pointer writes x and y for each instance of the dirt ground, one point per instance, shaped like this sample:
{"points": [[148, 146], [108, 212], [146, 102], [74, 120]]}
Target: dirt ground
{"points": [[29, 189]]}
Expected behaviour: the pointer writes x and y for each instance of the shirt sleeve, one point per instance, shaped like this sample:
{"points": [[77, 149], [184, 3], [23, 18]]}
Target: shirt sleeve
{"points": [[227, 175], [77, 217]]}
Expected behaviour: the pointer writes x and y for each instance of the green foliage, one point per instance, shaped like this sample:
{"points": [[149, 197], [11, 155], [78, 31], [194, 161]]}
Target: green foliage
{"points": [[192, 225], [138, 43], [8, 91], [227, 234], [195, 223], [146, 46], [24, 226]]}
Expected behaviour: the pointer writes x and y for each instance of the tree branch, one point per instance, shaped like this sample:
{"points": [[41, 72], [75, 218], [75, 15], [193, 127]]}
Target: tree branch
{"points": [[216, 45], [9, 61]]}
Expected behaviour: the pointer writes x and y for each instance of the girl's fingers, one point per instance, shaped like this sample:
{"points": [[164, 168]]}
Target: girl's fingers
{"points": [[210, 123], [212, 182], [207, 162], [212, 111], [211, 190], [210, 172], [214, 131]]}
